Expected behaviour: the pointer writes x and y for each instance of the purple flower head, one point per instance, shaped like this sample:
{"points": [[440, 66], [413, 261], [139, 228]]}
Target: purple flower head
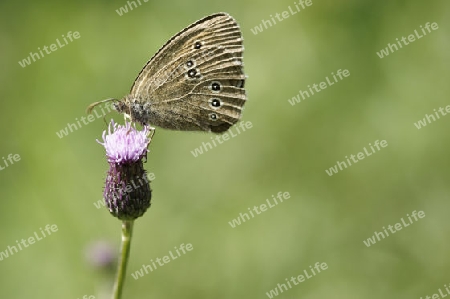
{"points": [[125, 144], [127, 191]]}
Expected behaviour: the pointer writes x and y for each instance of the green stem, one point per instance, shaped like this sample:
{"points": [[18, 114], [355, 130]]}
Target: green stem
{"points": [[127, 229]]}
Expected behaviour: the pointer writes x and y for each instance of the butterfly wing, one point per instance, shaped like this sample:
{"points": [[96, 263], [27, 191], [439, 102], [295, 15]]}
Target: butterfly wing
{"points": [[196, 80]]}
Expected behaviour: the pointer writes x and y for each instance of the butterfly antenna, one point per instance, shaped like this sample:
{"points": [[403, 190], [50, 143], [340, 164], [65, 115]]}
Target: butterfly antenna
{"points": [[91, 106]]}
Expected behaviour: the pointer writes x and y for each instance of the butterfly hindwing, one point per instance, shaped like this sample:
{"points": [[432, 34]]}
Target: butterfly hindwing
{"points": [[196, 80]]}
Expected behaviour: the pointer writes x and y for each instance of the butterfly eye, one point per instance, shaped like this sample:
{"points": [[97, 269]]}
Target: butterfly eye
{"points": [[215, 103], [197, 45], [213, 116], [215, 86]]}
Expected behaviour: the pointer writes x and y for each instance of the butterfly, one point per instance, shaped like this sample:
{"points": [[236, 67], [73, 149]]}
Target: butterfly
{"points": [[195, 82]]}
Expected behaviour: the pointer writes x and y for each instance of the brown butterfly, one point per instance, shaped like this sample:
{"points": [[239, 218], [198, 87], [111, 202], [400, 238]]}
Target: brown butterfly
{"points": [[195, 82]]}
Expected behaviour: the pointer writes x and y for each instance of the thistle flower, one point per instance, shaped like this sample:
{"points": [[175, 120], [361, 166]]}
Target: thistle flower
{"points": [[127, 191]]}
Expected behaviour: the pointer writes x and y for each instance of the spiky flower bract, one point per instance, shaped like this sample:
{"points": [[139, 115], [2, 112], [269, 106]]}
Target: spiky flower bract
{"points": [[127, 191]]}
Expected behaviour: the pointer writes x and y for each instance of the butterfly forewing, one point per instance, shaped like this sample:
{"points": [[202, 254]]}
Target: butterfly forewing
{"points": [[196, 80]]}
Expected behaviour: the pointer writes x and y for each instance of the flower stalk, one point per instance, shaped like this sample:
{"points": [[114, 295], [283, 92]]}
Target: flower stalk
{"points": [[127, 232]]}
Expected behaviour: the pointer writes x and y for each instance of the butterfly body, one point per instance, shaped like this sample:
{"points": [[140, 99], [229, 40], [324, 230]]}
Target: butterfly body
{"points": [[195, 82], [143, 112]]}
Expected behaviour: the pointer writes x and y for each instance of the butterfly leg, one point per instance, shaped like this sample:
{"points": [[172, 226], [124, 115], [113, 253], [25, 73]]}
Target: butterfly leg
{"points": [[127, 117], [152, 132]]}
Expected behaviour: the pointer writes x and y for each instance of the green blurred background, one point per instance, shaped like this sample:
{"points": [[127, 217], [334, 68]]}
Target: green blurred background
{"points": [[288, 149]]}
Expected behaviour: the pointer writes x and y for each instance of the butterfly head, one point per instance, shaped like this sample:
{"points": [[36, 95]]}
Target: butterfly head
{"points": [[132, 107], [122, 106]]}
